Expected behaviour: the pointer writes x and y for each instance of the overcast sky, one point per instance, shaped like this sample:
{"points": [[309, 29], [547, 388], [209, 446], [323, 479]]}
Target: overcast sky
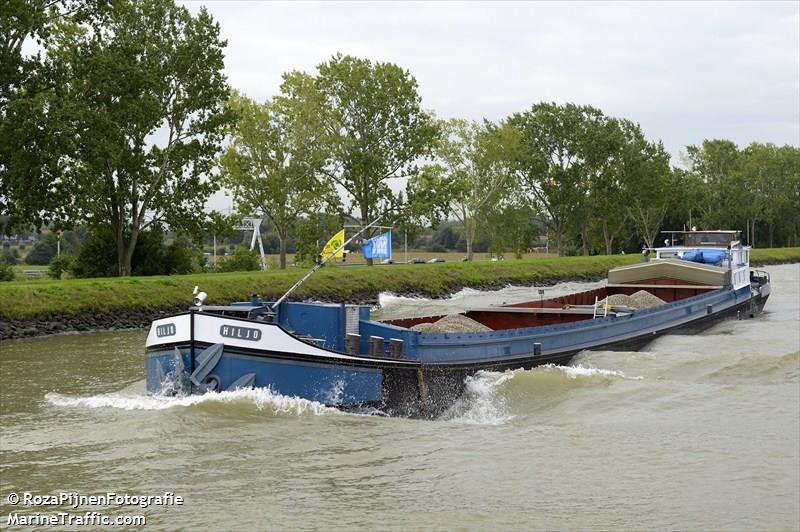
{"points": [[686, 71]]}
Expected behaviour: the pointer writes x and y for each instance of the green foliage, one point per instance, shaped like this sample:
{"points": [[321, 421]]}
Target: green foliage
{"points": [[469, 178], [8, 256], [182, 259], [6, 271], [512, 227], [31, 131], [272, 164], [376, 130], [242, 260], [557, 149], [651, 187], [97, 257], [43, 251], [139, 111], [756, 189], [59, 265]]}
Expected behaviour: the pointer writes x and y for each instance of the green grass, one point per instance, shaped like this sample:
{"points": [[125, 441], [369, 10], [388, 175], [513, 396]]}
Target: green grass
{"points": [[25, 299], [777, 255]]}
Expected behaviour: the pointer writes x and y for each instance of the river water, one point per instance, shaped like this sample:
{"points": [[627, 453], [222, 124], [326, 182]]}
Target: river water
{"points": [[693, 432]]}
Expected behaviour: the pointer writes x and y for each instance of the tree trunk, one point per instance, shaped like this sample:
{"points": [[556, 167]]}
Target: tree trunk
{"points": [[282, 244], [469, 236], [609, 239], [585, 239], [119, 236], [127, 252], [364, 222]]}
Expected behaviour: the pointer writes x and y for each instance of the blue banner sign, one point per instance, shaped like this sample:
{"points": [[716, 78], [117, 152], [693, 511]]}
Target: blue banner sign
{"points": [[378, 247]]}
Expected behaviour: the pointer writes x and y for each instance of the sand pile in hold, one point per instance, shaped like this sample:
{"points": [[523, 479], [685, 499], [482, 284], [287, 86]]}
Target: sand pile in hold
{"points": [[639, 300], [452, 323]]}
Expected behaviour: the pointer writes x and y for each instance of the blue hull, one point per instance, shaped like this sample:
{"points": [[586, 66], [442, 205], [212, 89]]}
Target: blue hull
{"points": [[199, 352], [325, 383]]}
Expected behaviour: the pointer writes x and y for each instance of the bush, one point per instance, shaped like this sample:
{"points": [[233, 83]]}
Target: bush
{"points": [[242, 260], [8, 257], [43, 251], [148, 257], [181, 259], [59, 266], [6, 271], [98, 256]]}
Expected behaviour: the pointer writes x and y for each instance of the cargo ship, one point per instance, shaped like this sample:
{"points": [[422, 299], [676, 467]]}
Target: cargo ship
{"points": [[416, 366]]}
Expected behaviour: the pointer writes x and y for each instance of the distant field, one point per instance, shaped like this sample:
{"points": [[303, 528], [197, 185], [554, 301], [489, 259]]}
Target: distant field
{"points": [[400, 256], [20, 269]]}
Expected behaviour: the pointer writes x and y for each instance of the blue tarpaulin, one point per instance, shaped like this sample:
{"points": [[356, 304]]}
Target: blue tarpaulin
{"points": [[705, 256]]}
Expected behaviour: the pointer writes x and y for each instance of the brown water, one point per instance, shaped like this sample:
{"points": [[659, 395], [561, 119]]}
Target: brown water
{"points": [[694, 432]]}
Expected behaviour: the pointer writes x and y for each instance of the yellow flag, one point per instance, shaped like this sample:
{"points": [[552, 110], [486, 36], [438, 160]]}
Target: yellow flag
{"points": [[335, 242]]}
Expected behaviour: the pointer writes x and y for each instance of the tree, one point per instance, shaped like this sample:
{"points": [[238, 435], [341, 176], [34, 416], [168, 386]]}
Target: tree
{"points": [[273, 161], [607, 190], [145, 103], [375, 130], [652, 187], [469, 176], [33, 134], [557, 149], [512, 226], [43, 250], [717, 163]]}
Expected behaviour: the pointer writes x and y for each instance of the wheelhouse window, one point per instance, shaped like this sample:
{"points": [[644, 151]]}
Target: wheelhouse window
{"points": [[709, 239]]}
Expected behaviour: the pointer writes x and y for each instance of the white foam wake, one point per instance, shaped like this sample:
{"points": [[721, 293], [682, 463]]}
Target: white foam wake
{"points": [[486, 399], [481, 403], [261, 398], [385, 299], [573, 372]]}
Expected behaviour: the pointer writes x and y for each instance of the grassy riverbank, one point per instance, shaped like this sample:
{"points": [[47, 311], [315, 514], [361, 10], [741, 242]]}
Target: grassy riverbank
{"points": [[26, 299]]}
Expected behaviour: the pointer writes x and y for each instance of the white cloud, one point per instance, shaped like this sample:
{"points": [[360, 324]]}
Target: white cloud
{"points": [[685, 70]]}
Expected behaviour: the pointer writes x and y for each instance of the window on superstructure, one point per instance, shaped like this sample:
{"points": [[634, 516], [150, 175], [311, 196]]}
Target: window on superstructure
{"points": [[708, 239]]}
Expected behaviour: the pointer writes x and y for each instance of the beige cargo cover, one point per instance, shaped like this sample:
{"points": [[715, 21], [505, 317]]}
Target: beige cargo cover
{"points": [[690, 272]]}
